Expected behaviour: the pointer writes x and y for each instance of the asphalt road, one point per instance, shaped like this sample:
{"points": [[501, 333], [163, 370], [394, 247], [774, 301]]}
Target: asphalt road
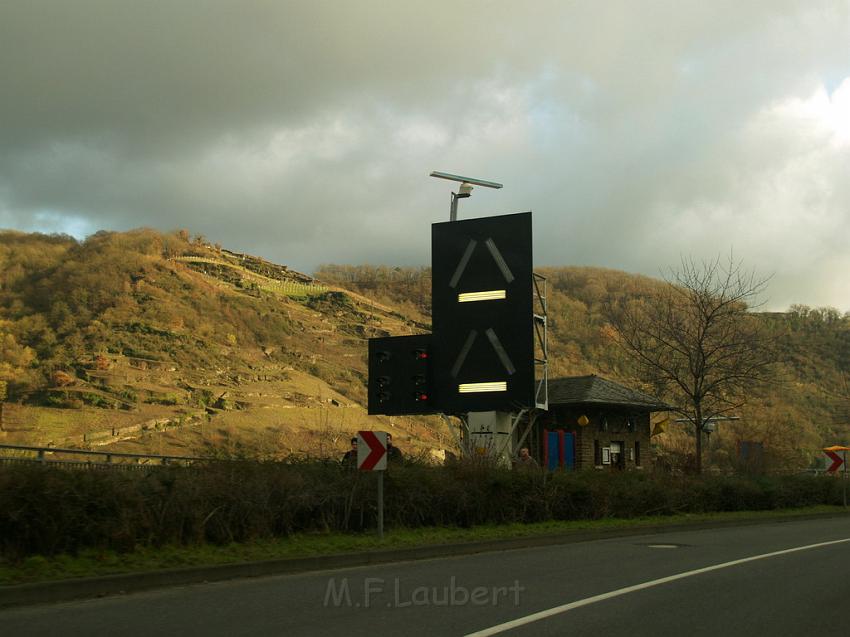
{"points": [[802, 592]]}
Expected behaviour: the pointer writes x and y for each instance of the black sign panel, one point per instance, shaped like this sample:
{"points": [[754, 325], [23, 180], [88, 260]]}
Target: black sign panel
{"points": [[400, 375], [483, 338]]}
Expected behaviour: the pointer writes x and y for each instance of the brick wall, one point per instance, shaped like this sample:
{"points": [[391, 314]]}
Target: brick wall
{"points": [[606, 425]]}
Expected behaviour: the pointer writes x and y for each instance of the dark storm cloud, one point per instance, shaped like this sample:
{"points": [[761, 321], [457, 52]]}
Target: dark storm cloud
{"points": [[304, 131]]}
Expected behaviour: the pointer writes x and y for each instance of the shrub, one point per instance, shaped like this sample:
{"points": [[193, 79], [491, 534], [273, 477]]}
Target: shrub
{"points": [[48, 509]]}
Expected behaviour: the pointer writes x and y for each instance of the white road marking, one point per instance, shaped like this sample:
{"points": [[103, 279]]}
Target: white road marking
{"points": [[662, 546], [557, 610]]}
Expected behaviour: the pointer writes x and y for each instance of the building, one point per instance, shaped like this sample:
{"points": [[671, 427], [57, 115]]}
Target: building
{"points": [[593, 422]]}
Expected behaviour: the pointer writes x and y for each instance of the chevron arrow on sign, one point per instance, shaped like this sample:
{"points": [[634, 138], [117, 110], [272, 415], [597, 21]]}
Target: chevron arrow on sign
{"points": [[371, 450], [837, 461]]}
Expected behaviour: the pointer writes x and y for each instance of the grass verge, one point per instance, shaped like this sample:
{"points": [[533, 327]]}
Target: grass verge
{"points": [[92, 563]]}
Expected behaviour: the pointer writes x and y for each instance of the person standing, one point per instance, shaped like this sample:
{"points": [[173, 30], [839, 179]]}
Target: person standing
{"points": [[394, 454], [525, 460], [350, 457]]}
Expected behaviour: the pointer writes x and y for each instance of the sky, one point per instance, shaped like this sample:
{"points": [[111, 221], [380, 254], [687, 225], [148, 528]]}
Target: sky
{"points": [[638, 132]]}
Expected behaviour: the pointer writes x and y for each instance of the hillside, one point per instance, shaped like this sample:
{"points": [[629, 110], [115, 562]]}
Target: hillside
{"points": [[806, 408], [153, 341], [143, 340]]}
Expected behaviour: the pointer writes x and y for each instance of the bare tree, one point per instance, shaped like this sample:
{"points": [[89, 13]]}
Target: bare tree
{"points": [[696, 342]]}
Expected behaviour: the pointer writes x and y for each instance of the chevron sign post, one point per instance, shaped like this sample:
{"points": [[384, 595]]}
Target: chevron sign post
{"points": [[371, 450], [372, 456], [482, 313], [837, 461]]}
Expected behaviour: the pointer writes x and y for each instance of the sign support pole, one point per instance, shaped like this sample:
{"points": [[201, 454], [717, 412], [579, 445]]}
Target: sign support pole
{"points": [[372, 456], [381, 505], [845, 479]]}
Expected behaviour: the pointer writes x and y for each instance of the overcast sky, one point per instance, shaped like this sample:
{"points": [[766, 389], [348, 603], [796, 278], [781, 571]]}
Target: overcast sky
{"points": [[304, 132]]}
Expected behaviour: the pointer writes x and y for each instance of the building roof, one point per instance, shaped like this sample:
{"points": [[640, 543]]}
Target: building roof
{"points": [[593, 389]]}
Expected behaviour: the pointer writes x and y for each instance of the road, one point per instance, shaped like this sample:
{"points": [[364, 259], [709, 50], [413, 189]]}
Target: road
{"points": [[718, 589]]}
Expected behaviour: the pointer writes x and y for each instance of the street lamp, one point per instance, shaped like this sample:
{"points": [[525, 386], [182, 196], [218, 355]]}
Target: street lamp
{"points": [[465, 189]]}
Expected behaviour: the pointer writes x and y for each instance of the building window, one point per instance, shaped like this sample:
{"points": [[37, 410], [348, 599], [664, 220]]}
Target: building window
{"points": [[618, 454], [637, 454]]}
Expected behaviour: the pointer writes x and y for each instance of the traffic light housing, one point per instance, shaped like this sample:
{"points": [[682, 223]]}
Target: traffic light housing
{"points": [[400, 376]]}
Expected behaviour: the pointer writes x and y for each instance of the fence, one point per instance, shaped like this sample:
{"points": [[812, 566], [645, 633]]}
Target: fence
{"points": [[108, 459]]}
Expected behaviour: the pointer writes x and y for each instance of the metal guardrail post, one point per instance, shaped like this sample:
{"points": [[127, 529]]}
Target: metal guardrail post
{"points": [[41, 455]]}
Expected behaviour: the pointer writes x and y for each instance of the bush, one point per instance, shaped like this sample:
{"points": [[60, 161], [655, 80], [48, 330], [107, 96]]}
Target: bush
{"points": [[49, 509]]}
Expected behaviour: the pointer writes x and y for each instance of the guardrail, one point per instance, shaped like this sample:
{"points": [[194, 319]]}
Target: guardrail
{"points": [[118, 459]]}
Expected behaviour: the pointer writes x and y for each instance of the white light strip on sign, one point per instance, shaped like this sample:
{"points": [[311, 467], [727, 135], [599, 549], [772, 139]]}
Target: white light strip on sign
{"points": [[489, 295], [474, 388]]}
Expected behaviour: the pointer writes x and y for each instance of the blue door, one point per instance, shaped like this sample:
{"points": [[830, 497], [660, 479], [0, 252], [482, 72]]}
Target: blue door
{"points": [[569, 450], [553, 450]]}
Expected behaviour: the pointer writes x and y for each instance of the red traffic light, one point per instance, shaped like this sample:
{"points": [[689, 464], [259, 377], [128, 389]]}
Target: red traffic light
{"points": [[420, 354]]}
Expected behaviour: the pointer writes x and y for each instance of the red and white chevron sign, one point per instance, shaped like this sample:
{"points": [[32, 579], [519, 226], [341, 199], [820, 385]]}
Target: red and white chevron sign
{"points": [[837, 460], [372, 450]]}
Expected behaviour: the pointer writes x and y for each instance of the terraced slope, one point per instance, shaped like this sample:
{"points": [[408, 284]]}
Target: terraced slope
{"points": [[176, 345]]}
